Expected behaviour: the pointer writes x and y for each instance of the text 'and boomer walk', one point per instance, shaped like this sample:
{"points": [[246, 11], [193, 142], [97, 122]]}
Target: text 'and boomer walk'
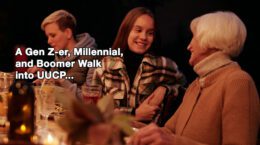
{"points": [[61, 64]]}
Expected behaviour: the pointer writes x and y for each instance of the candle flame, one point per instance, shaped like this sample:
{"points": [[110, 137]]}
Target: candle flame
{"points": [[50, 138], [23, 128], [25, 108]]}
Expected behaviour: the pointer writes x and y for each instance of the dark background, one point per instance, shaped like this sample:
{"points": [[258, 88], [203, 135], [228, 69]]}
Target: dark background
{"points": [[20, 24]]}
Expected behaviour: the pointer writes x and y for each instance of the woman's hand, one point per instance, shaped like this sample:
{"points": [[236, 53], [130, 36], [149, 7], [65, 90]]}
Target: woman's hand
{"points": [[151, 135], [150, 106], [145, 111]]}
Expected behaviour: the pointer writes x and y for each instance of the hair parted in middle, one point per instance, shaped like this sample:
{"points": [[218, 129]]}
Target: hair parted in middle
{"points": [[127, 25]]}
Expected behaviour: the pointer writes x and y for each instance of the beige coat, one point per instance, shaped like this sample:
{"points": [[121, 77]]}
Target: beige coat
{"points": [[223, 110]]}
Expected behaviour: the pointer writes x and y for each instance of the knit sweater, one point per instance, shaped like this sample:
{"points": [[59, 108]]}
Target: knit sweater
{"points": [[78, 73]]}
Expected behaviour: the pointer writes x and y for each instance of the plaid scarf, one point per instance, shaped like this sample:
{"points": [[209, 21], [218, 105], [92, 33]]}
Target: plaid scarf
{"points": [[153, 71]]}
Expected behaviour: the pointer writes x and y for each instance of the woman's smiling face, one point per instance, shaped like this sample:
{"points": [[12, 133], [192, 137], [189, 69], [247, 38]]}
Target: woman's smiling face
{"points": [[141, 36]]}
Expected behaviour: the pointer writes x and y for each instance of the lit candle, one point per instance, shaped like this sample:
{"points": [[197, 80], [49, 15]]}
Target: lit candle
{"points": [[23, 129], [51, 140]]}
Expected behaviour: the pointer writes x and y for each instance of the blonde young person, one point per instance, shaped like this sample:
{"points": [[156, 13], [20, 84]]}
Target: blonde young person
{"points": [[59, 28]]}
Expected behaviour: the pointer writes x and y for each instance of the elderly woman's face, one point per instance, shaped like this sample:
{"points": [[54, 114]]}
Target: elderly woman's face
{"points": [[56, 38], [142, 34], [197, 53]]}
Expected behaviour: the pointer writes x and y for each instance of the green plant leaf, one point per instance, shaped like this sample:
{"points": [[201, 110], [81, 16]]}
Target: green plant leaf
{"points": [[123, 122], [88, 112], [106, 106], [80, 116]]}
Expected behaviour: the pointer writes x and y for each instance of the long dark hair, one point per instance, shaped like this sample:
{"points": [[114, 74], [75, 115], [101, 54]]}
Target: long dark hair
{"points": [[127, 25]]}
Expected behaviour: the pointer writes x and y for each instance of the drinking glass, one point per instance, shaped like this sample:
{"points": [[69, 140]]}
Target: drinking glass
{"points": [[91, 93], [48, 104], [6, 80], [37, 104], [46, 101]]}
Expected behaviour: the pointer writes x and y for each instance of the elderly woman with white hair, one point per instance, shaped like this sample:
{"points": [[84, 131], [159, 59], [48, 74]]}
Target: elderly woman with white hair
{"points": [[221, 106]]}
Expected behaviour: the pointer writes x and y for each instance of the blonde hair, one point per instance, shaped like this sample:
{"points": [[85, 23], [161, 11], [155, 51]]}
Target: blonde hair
{"points": [[220, 30], [63, 18]]}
